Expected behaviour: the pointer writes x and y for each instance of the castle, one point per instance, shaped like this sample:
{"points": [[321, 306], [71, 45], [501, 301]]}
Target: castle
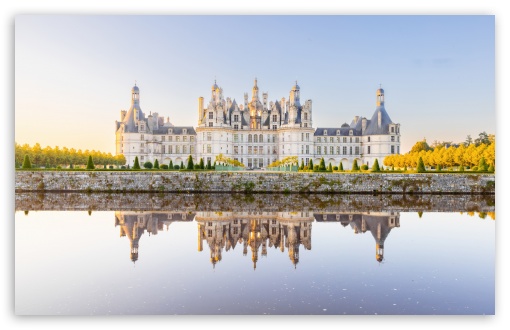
{"points": [[255, 133]]}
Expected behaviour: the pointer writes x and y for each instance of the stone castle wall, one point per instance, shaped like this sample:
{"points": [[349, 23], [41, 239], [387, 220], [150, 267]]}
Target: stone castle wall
{"points": [[253, 182]]}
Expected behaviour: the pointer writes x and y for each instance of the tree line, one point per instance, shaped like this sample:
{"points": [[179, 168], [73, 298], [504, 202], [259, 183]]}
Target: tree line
{"points": [[469, 154], [49, 157]]}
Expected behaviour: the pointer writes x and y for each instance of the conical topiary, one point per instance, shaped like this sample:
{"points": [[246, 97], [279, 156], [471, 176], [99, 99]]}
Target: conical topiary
{"points": [[421, 166], [375, 166], [90, 164], [136, 166], [26, 162]]}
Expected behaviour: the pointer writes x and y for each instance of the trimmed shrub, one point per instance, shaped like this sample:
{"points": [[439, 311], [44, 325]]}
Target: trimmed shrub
{"points": [[302, 167], [438, 168], [341, 167], [322, 165], [176, 167], [474, 168], [461, 168], [182, 165], [156, 164], [335, 168], [147, 165], [491, 169], [330, 168], [164, 167], [90, 164], [355, 166], [421, 166], [482, 165], [310, 164], [364, 167], [26, 162], [375, 166], [136, 166], [316, 168], [190, 163], [208, 166], [171, 164], [197, 167], [201, 164]]}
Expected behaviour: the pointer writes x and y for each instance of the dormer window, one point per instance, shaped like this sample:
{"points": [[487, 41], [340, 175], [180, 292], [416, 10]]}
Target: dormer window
{"points": [[184, 131], [337, 132], [325, 132], [169, 131], [350, 132]]}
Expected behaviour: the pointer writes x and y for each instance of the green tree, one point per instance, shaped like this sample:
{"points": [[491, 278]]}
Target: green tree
{"points": [[330, 167], [136, 166], [156, 164], [190, 163], [310, 164], [90, 164], [375, 166], [201, 163], [355, 166], [341, 166], [26, 162], [302, 167], [182, 165], [171, 165], [147, 165], [322, 165], [208, 166], [491, 169], [421, 166], [482, 165]]}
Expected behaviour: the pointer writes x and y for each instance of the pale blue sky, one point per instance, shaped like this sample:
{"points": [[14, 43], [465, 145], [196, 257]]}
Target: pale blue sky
{"points": [[73, 73]]}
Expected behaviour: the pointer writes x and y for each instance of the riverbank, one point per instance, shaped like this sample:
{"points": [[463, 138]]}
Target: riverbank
{"points": [[254, 182]]}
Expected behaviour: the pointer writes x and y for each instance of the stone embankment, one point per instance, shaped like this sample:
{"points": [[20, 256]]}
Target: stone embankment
{"points": [[253, 182], [240, 202]]}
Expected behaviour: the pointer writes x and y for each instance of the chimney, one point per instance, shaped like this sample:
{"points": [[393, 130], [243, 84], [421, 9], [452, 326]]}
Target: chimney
{"points": [[363, 125], [200, 108], [379, 119]]}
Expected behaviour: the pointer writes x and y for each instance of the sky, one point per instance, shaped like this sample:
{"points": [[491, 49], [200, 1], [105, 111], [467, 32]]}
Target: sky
{"points": [[74, 73]]}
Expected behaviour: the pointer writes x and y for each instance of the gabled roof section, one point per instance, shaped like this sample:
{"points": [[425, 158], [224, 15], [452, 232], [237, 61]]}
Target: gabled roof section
{"points": [[373, 127]]}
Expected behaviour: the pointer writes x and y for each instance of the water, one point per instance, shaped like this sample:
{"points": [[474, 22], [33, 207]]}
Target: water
{"points": [[80, 257]]}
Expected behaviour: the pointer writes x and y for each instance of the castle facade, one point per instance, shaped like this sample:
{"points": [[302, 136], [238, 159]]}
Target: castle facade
{"points": [[255, 133]]}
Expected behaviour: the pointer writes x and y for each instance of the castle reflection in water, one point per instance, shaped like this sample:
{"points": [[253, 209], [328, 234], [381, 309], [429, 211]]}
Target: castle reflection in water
{"points": [[256, 231]]}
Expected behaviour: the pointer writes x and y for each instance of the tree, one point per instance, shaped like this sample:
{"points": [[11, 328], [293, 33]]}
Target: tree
{"points": [[201, 163], [330, 167], [302, 166], [355, 166], [469, 140], [419, 146], [208, 166], [182, 165], [310, 164], [26, 162], [375, 167], [147, 165], [90, 164], [156, 164], [136, 166], [482, 138], [171, 165], [482, 165], [341, 166], [322, 165], [421, 166], [190, 163]]}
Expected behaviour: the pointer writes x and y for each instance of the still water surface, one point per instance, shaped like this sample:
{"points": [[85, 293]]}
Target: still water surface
{"points": [[244, 262]]}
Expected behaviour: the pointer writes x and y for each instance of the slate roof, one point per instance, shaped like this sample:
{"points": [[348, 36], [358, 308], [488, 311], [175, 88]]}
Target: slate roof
{"points": [[372, 125]]}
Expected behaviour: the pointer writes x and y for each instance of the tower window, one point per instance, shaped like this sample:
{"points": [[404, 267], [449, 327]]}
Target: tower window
{"points": [[210, 115]]}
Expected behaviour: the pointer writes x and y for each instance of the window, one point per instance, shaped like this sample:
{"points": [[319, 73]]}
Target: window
{"points": [[274, 138], [191, 139], [177, 150], [163, 138], [184, 131], [392, 138], [255, 138], [350, 140], [331, 139], [209, 136], [260, 138], [163, 149], [350, 150], [208, 148], [307, 150], [236, 138], [169, 131], [184, 149], [169, 149], [338, 150], [337, 132], [368, 150], [210, 124], [357, 139], [331, 150], [350, 132], [211, 115], [274, 127], [344, 150], [392, 149], [236, 117], [369, 139], [275, 118], [249, 150], [344, 140], [169, 139], [305, 125], [141, 137], [184, 139], [306, 116], [356, 151], [318, 150], [392, 129], [325, 132], [177, 138], [261, 151], [236, 126], [318, 139]]}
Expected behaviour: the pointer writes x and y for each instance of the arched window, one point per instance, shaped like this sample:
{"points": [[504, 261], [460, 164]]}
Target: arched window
{"points": [[249, 138], [255, 138]]}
